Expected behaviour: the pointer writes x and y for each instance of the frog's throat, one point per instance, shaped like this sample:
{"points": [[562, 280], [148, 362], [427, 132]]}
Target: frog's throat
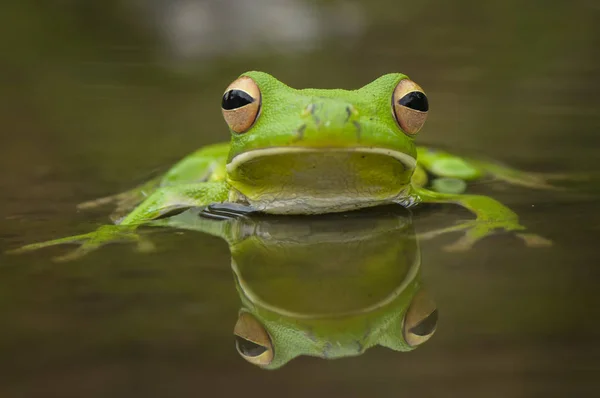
{"points": [[300, 180]]}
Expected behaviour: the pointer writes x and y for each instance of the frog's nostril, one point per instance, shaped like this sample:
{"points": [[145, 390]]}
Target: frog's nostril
{"points": [[350, 110], [310, 109]]}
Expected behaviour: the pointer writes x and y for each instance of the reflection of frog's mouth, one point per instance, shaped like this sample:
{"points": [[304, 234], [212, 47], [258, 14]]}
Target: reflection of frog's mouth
{"points": [[300, 179], [296, 296]]}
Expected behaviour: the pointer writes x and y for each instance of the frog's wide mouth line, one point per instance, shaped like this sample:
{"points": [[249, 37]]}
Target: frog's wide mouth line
{"points": [[408, 161]]}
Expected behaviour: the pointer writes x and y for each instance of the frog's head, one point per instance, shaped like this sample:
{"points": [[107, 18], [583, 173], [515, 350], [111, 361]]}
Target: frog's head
{"points": [[272, 339], [316, 150]]}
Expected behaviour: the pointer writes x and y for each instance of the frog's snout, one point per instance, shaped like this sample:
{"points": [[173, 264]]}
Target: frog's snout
{"points": [[328, 115]]}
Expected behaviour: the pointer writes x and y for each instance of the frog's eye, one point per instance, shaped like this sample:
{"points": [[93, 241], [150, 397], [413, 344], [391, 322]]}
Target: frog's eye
{"points": [[252, 340], [410, 106], [420, 320], [241, 104]]}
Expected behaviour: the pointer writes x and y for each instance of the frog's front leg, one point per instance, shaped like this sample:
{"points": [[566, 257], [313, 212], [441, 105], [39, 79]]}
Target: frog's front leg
{"points": [[164, 202], [170, 200], [490, 215], [446, 167]]}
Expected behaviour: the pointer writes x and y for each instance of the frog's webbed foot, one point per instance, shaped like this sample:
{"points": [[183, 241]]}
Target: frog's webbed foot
{"points": [[475, 230], [534, 180], [93, 240], [124, 201], [490, 216]]}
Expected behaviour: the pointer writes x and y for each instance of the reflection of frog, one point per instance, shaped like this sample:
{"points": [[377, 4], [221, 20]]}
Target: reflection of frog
{"points": [[315, 151], [328, 286]]}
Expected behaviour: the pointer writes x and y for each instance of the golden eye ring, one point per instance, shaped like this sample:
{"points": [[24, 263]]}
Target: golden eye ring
{"points": [[410, 106], [420, 321], [252, 341], [241, 104]]}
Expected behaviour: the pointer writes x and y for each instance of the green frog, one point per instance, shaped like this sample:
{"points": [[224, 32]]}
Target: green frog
{"points": [[315, 151], [328, 286]]}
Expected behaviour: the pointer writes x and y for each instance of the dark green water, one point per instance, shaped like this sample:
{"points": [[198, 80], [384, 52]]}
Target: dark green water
{"points": [[97, 97]]}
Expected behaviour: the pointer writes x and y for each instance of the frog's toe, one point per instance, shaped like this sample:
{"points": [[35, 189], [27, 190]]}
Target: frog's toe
{"points": [[533, 240], [473, 232], [91, 241], [78, 239], [145, 245], [539, 180], [95, 203], [461, 245], [83, 240], [476, 233], [563, 176], [76, 253], [442, 231], [105, 235]]}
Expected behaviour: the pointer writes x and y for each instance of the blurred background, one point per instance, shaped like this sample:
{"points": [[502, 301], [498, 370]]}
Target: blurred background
{"points": [[96, 96]]}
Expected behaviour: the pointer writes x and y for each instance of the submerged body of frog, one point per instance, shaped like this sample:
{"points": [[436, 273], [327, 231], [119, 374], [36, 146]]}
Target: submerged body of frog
{"points": [[316, 151]]}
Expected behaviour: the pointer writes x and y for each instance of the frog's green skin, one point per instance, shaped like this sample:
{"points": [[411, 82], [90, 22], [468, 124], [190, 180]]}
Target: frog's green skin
{"points": [[328, 286], [315, 151]]}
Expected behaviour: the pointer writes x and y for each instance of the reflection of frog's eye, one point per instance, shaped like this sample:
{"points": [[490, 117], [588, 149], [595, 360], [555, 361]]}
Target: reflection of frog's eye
{"points": [[252, 340], [410, 106], [420, 320], [241, 104]]}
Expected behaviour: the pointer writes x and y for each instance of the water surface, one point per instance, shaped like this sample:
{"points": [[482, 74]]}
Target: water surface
{"points": [[98, 97]]}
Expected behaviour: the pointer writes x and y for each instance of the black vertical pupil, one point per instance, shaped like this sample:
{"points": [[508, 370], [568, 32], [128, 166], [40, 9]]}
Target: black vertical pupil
{"points": [[234, 99], [249, 348], [415, 100]]}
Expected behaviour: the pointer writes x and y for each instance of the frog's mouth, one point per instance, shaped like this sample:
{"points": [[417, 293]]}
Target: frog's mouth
{"points": [[314, 180]]}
